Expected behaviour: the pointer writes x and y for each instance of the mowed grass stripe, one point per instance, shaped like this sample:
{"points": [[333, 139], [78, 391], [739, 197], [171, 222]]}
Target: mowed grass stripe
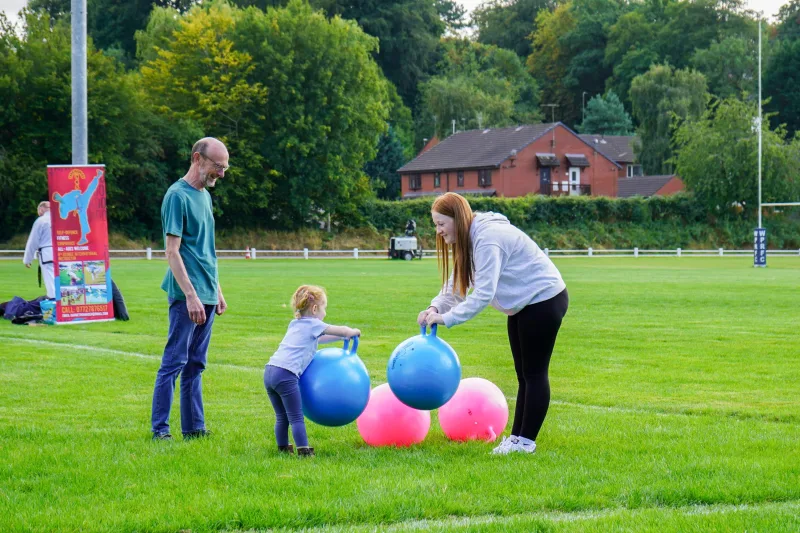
{"points": [[647, 519], [377, 379], [644, 343]]}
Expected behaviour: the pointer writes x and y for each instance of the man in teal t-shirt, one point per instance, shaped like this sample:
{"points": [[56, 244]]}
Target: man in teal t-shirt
{"points": [[192, 287]]}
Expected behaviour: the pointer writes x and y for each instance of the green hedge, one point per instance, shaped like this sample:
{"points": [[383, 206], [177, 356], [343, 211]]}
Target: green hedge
{"points": [[601, 222], [565, 210]]}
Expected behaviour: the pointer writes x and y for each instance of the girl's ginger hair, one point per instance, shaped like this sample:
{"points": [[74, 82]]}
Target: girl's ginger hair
{"points": [[456, 207], [305, 298]]}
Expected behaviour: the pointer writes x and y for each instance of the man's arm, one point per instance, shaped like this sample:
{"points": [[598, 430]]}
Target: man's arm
{"points": [[32, 245], [197, 311], [222, 305]]}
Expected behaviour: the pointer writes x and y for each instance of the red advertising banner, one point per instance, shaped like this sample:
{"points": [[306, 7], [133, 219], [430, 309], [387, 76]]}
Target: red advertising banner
{"points": [[80, 243]]}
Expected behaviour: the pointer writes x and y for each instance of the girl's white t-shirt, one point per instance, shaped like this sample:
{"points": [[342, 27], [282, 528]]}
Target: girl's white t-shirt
{"points": [[299, 345]]}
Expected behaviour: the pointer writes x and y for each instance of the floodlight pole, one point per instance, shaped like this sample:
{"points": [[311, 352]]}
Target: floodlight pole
{"points": [[759, 121], [80, 130], [760, 234]]}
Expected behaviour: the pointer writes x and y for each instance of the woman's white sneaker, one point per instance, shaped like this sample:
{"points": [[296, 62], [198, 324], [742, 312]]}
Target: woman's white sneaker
{"points": [[505, 445], [523, 445]]}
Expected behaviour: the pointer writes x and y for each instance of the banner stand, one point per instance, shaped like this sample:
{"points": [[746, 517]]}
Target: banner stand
{"points": [[80, 243]]}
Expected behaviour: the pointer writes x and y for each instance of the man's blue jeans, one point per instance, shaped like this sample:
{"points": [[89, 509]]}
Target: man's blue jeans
{"points": [[184, 354]]}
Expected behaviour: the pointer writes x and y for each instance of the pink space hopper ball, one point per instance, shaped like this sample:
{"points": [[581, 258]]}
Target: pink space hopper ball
{"points": [[477, 411], [389, 422]]}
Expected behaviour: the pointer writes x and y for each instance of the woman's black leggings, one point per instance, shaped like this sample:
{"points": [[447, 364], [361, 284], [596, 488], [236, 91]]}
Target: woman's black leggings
{"points": [[532, 333]]}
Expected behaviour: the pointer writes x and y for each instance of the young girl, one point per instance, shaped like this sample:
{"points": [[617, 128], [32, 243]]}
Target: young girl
{"points": [[506, 269], [282, 373]]}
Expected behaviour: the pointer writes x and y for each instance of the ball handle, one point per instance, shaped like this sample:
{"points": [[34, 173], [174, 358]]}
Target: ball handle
{"points": [[347, 343], [424, 328]]}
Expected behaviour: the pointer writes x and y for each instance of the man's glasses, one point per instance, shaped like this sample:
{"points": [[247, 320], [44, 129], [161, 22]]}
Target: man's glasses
{"points": [[217, 166]]}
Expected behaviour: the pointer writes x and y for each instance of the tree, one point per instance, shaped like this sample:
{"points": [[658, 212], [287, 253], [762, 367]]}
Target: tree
{"points": [[730, 66], [382, 170], [408, 31], [630, 50], [788, 24], [35, 128], [584, 43], [668, 31], [508, 23], [661, 99], [605, 115], [452, 13], [549, 62], [296, 97], [479, 86], [110, 23], [782, 76], [157, 35], [716, 156]]}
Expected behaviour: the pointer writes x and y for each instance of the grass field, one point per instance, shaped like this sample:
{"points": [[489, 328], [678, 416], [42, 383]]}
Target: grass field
{"points": [[676, 407]]}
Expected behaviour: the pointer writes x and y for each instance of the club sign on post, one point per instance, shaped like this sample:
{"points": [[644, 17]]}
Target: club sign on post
{"points": [[80, 243], [760, 247]]}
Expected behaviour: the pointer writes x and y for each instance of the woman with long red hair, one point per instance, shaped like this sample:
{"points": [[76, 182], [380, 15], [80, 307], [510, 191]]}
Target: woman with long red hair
{"points": [[507, 270]]}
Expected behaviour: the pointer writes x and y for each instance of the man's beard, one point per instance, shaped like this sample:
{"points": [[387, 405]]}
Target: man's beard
{"points": [[208, 179]]}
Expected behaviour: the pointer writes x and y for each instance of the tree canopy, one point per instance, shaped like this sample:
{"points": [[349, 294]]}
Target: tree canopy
{"points": [[717, 158], [295, 95], [605, 115], [662, 98], [479, 86]]}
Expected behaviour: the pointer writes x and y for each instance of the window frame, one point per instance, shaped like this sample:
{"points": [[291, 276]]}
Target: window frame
{"points": [[485, 177]]}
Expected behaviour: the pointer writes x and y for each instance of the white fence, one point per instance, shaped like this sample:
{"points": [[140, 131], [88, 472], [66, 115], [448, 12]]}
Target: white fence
{"points": [[355, 253]]}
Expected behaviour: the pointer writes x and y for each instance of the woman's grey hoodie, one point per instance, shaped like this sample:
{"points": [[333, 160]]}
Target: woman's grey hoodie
{"points": [[511, 272]]}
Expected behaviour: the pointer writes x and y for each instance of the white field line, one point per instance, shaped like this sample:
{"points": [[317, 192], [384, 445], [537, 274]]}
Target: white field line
{"points": [[241, 368], [517, 520], [98, 350]]}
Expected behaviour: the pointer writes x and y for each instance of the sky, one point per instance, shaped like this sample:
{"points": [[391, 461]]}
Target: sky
{"points": [[768, 7]]}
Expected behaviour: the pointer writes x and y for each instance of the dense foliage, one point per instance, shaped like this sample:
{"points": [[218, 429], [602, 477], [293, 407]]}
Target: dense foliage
{"points": [[320, 101]]}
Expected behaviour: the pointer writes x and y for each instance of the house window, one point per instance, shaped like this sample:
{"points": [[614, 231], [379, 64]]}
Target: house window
{"points": [[414, 182], [485, 177], [460, 179], [634, 170], [437, 180]]}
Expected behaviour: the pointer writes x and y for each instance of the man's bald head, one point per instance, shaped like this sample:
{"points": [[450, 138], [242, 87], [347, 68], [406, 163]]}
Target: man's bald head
{"points": [[209, 161], [206, 145], [43, 208]]}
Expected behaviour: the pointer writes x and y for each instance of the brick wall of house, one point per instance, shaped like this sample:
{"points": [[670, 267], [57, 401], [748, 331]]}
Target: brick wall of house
{"points": [[673, 186], [524, 177]]}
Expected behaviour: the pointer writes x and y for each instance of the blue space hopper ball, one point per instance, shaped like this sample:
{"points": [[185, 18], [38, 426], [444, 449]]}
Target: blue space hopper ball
{"points": [[424, 371], [335, 386]]}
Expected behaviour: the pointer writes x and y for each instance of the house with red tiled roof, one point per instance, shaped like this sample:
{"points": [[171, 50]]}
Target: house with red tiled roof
{"points": [[548, 159], [631, 181], [619, 148], [649, 186]]}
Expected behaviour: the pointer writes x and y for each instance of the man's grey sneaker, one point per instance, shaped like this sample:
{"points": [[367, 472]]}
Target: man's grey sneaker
{"points": [[162, 436], [505, 445], [197, 434]]}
